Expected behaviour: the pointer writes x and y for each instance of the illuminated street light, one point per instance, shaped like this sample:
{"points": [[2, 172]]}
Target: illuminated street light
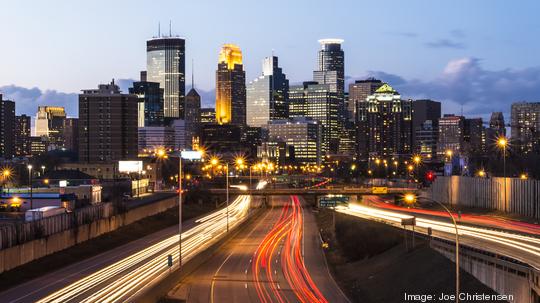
{"points": [[417, 159], [523, 176], [502, 143], [214, 161], [30, 184], [409, 198], [481, 173]]}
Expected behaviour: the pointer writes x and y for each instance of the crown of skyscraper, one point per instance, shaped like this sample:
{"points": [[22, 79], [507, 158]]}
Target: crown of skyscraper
{"points": [[230, 54]]}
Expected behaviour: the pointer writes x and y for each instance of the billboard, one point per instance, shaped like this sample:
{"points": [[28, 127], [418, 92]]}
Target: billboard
{"points": [[130, 166], [191, 155]]}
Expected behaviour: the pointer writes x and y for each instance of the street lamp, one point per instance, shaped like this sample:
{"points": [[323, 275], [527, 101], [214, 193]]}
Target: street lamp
{"points": [[481, 173], [30, 183], [6, 173], [42, 170], [410, 199], [502, 142], [523, 176]]}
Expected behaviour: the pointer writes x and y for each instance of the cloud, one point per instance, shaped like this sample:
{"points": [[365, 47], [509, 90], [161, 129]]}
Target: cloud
{"points": [[403, 34], [445, 43], [464, 82], [28, 99]]}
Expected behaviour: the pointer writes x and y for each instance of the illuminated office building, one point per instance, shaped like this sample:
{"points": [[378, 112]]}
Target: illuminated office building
{"points": [[358, 92], [7, 128], [331, 70], [303, 134], [208, 115], [451, 135], [22, 135], [525, 127], [193, 116], [50, 122], [230, 87], [318, 102], [166, 64], [267, 95], [385, 125]]}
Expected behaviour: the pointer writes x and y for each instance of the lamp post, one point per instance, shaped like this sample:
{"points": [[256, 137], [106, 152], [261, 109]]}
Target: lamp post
{"points": [[503, 143], [42, 170], [227, 191], [411, 198], [31, 189], [449, 153]]}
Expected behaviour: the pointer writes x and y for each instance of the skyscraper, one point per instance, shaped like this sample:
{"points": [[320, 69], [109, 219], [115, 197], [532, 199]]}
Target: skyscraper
{"points": [[50, 123], [71, 134], [166, 64], [358, 92], [451, 135], [318, 102], [150, 107], [267, 95], [525, 123], [193, 116], [474, 136], [22, 135], [424, 111], [230, 86], [496, 129], [385, 125], [331, 71], [107, 125], [7, 128], [303, 134]]}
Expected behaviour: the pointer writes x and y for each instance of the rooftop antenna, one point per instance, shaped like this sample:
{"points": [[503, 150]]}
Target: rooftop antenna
{"points": [[170, 28], [159, 29]]}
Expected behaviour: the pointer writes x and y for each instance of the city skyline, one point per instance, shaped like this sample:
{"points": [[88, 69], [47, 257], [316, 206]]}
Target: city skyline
{"points": [[451, 55]]}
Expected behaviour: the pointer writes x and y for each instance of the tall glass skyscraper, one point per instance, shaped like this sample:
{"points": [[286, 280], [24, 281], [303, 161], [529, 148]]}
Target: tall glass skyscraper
{"points": [[166, 65], [150, 103], [230, 86], [331, 62], [267, 95]]}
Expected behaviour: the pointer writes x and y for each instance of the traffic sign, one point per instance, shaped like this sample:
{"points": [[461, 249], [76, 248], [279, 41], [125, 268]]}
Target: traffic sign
{"points": [[332, 200], [379, 190]]}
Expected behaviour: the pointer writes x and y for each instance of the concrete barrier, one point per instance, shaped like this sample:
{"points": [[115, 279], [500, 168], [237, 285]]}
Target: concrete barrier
{"points": [[18, 255]]}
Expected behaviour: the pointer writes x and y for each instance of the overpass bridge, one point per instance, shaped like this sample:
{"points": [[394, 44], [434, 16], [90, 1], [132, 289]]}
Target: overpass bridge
{"points": [[317, 191]]}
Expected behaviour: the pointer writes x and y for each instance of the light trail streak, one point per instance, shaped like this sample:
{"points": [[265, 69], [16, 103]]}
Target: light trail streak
{"points": [[288, 229], [518, 244], [136, 272]]}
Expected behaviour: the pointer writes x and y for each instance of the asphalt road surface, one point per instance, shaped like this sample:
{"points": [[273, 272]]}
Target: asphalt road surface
{"points": [[277, 259]]}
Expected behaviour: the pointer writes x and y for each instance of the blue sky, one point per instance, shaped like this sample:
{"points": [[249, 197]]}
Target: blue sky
{"points": [[53, 49]]}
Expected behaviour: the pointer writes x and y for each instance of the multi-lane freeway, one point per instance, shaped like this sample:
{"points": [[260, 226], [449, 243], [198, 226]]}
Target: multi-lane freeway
{"points": [[121, 274], [524, 248], [278, 259]]}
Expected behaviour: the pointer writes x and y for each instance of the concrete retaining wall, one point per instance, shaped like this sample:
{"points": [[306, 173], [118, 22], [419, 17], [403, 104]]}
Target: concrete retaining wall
{"points": [[32, 250]]}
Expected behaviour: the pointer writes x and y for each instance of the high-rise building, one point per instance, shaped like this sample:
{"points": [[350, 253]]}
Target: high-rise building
{"points": [[474, 136], [318, 102], [222, 139], [107, 125], [208, 115], [425, 110], [426, 136], [166, 65], [22, 135], [230, 86], [193, 116], [179, 128], [525, 126], [331, 71], [303, 134], [451, 135], [150, 107], [155, 137], [385, 125], [7, 128], [50, 123], [267, 95], [358, 92], [71, 134], [496, 129]]}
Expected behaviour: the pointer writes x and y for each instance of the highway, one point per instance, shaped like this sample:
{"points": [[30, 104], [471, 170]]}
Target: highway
{"points": [[518, 246], [278, 259], [121, 274]]}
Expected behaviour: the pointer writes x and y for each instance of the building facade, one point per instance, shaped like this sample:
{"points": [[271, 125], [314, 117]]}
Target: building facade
{"points": [[267, 95], [230, 86], [50, 123], [107, 125], [7, 128], [525, 127], [208, 115], [385, 125], [451, 135], [303, 134], [71, 134], [358, 92], [22, 135], [423, 111], [166, 65], [193, 117], [155, 137], [150, 106]]}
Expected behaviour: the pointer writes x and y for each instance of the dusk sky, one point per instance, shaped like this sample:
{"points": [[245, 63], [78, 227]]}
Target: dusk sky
{"points": [[483, 54]]}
